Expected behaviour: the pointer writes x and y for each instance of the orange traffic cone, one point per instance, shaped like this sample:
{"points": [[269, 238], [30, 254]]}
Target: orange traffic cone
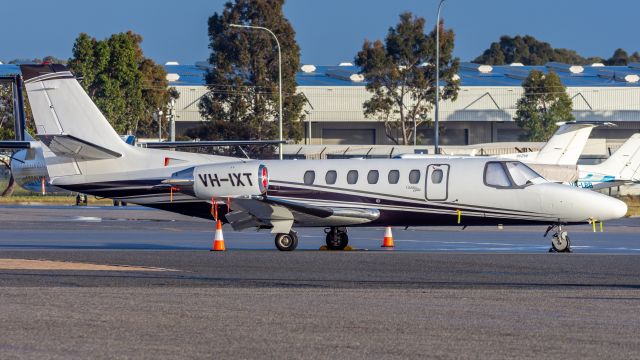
{"points": [[218, 239], [388, 238]]}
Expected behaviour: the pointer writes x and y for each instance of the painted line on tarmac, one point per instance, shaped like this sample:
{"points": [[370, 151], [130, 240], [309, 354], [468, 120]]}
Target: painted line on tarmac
{"points": [[27, 264]]}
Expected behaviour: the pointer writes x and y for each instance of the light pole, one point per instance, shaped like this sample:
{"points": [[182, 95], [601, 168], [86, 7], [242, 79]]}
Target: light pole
{"points": [[279, 75], [437, 129]]}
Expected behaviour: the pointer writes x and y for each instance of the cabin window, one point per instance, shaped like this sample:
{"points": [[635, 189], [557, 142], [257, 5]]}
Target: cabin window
{"points": [[437, 176], [352, 176], [331, 177], [372, 177], [309, 177], [394, 176], [494, 175], [414, 176]]}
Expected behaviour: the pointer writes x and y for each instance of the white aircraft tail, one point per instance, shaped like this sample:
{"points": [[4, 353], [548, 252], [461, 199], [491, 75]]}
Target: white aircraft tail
{"points": [[624, 164], [566, 144], [67, 120]]}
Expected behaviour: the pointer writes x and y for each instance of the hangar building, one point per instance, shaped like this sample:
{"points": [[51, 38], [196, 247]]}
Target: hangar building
{"points": [[482, 113]]}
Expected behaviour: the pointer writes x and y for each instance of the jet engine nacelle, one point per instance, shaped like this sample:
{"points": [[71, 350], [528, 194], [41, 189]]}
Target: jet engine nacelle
{"points": [[230, 180]]}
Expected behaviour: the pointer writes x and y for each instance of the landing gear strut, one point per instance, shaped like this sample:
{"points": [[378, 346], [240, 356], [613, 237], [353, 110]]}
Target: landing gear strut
{"points": [[560, 241], [337, 238], [287, 242]]}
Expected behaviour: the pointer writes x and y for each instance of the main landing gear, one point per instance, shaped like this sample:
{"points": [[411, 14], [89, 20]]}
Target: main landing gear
{"points": [[287, 242], [560, 241], [337, 238]]}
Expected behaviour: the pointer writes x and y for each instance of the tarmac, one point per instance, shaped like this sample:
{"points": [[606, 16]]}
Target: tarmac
{"points": [[138, 283]]}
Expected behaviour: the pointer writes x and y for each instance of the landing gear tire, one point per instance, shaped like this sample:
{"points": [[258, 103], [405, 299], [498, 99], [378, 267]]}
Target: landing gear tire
{"points": [[561, 242], [287, 242], [337, 239]]}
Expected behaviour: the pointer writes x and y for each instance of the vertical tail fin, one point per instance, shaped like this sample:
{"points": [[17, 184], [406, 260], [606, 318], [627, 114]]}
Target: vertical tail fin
{"points": [[624, 164], [66, 116], [566, 144]]}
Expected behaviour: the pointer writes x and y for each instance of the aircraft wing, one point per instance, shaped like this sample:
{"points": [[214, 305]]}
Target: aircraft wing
{"points": [[280, 214], [182, 144], [14, 145]]}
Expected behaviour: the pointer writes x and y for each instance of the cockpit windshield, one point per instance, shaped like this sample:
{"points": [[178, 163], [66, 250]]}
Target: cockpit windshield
{"points": [[510, 174], [523, 175]]}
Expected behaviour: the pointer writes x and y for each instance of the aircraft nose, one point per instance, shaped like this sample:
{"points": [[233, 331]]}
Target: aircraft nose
{"points": [[609, 208]]}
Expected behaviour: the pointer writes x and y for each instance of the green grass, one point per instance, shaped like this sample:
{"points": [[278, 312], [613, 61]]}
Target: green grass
{"points": [[22, 196]]}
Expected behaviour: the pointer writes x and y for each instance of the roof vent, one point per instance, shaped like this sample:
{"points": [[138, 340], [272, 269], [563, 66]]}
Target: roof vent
{"points": [[485, 69], [172, 77], [634, 65], [597, 65], [345, 64], [558, 66], [516, 64], [308, 68], [172, 63]]}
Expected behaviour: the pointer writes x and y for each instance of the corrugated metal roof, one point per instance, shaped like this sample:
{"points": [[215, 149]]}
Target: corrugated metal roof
{"points": [[504, 75], [9, 70]]}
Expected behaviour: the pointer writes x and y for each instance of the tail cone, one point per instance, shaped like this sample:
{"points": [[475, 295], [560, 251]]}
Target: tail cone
{"points": [[218, 239], [387, 242]]}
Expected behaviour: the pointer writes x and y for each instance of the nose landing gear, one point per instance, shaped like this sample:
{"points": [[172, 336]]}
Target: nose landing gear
{"points": [[560, 241]]}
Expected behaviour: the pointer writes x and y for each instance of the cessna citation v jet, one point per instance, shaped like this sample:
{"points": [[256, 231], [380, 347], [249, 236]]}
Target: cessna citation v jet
{"points": [[83, 153]]}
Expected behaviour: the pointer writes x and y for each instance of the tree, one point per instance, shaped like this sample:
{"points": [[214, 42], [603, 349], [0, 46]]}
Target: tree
{"points": [[127, 87], [544, 103], [242, 101], [7, 131], [400, 74], [49, 59], [528, 51], [622, 58]]}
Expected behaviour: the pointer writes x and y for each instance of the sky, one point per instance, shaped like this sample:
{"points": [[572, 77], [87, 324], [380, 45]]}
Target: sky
{"points": [[328, 31]]}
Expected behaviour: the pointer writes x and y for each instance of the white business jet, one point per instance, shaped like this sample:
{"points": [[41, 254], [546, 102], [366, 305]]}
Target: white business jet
{"points": [[83, 153]]}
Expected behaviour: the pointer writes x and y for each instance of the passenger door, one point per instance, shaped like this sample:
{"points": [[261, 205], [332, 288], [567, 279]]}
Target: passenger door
{"points": [[437, 182]]}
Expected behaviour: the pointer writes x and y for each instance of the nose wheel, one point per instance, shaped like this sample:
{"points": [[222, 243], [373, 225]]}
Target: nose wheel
{"points": [[560, 241], [337, 238]]}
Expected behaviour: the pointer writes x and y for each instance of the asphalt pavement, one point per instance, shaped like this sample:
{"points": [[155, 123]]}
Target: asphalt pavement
{"points": [[441, 293]]}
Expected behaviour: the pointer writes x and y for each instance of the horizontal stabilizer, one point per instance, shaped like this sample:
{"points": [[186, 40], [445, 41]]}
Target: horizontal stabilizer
{"points": [[70, 146], [15, 145]]}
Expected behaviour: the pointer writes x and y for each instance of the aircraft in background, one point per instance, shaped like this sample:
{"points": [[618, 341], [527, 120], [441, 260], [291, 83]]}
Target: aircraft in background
{"points": [[563, 148], [83, 153], [622, 167]]}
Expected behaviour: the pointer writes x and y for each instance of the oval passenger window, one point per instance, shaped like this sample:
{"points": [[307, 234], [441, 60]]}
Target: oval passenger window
{"points": [[436, 176], [394, 176], [331, 177], [372, 177], [414, 176], [352, 177], [309, 177]]}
